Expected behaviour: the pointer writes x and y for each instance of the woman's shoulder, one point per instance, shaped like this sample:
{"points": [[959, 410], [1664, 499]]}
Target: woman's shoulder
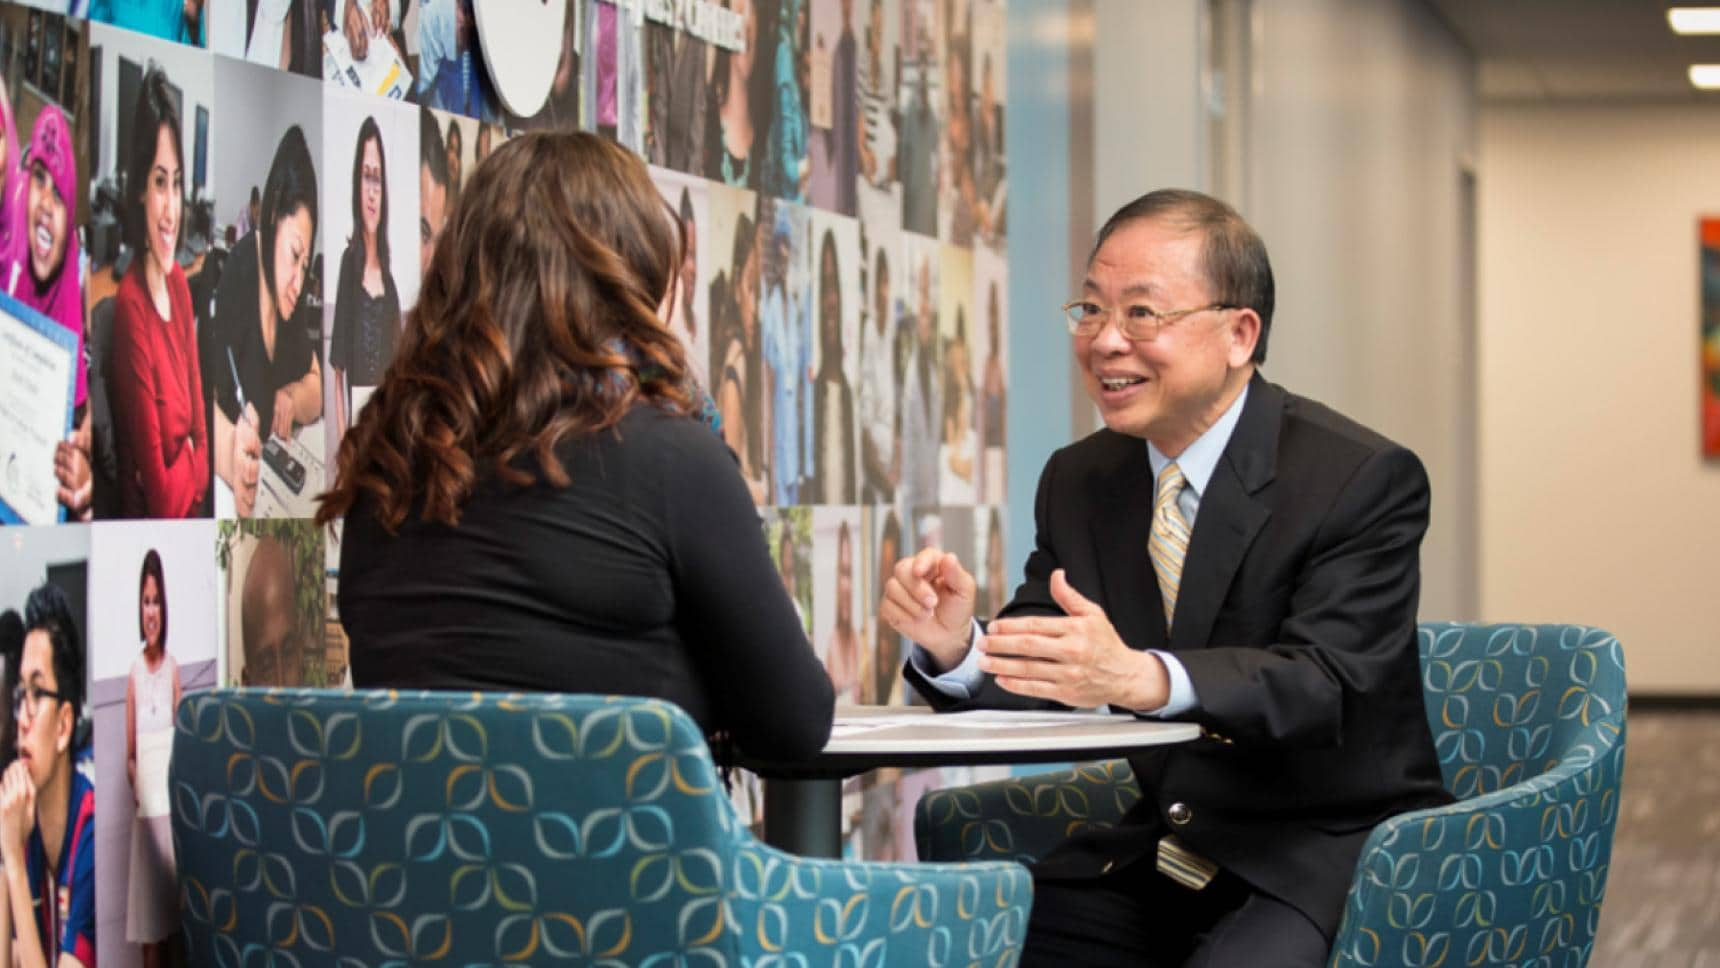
{"points": [[648, 421], [130, 294]]}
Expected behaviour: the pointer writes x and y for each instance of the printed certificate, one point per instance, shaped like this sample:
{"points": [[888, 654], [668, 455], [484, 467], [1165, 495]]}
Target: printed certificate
{"points": [[38, 377]]}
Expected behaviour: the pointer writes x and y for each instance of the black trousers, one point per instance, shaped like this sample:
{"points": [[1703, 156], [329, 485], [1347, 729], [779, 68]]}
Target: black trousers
{"points": [[1136, 917]]}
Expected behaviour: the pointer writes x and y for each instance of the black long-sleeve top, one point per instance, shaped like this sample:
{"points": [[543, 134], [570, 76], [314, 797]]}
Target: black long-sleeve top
{"points": [[647, 575]]}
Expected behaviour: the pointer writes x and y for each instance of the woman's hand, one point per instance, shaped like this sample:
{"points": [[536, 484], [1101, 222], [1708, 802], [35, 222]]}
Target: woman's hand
{"points": [[76, 483], [247, 461], [285, 406]]}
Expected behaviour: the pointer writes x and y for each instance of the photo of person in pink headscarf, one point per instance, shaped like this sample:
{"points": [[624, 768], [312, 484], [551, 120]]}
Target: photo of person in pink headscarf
{"points": [[43, 272]]}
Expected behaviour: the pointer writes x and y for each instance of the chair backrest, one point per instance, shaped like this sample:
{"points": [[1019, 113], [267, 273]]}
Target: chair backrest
{"points": [[458, 828], [1509, 702], [1529, 725]]}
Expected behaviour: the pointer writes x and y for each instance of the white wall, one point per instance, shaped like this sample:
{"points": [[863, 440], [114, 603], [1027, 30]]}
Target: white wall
{"points": [[1150, 124], [1354, 122], [1360, 125], [1597, 506]]}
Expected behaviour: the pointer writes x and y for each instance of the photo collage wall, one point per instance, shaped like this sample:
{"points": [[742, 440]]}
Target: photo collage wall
{"points": [[213, 218]]}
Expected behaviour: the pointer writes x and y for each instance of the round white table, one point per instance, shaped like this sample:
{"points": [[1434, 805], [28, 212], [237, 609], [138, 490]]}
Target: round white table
{"points": [[803, 801]]}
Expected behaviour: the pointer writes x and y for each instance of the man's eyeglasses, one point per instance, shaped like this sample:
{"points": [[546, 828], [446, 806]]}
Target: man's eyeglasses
{"points": [[27, 698], [1137, 323]]}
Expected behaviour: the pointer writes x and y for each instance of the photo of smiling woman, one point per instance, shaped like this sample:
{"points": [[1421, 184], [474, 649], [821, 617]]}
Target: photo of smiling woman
{"points": [[151, 694], [157, 390], [265, 372], [366, 302]]}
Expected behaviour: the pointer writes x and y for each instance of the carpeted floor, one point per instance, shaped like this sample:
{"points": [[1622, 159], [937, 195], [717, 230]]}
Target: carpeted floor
{"points": [[1662, 907]]}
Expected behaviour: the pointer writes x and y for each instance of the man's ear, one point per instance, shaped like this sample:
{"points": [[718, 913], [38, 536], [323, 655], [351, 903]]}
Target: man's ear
{"points": [[64, 724], [1244, 334]]}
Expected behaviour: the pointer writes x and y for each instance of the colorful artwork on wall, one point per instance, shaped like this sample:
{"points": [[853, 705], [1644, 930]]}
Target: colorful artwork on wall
{"points": [[192, 199], [1709, 389]]}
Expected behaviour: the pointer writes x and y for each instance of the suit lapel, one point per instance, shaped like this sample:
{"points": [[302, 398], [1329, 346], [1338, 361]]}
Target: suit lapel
{"points": [[1120, 530], [1230, 516]]}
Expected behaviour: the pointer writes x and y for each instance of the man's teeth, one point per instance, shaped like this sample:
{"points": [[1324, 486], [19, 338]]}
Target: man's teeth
{"points": [[1118, 383]]}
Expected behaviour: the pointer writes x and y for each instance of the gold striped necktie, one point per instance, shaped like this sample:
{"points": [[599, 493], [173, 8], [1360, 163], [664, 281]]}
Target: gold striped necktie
{"points": [[1169, 542]]}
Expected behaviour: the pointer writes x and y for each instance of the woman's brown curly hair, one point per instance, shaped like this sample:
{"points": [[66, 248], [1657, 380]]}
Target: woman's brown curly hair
{"points": [[537, 320]]}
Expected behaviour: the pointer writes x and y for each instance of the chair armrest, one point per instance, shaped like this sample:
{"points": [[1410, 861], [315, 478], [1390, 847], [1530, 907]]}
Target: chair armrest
{"points": [[1505, 877], [1021, 818], [876, 913]]}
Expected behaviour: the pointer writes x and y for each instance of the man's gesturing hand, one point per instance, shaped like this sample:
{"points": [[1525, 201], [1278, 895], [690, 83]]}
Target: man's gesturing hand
{"points": [[1076, 659], [929, 598]]}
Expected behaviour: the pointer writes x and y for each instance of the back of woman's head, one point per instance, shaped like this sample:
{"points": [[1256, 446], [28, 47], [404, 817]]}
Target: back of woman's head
{"points": [[537, 320]]}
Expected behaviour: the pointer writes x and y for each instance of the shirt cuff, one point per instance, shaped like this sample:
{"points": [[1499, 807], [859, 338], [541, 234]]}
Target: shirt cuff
{"points": [[1182, 697], [962, 681]]}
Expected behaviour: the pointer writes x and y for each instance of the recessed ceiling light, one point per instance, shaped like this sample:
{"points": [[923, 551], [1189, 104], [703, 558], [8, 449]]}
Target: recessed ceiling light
{"points": [[1705, 77], [1694, 20]]}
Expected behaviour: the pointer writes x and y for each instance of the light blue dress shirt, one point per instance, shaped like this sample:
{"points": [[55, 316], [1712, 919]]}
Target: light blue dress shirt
{"points": [[1197, 461]]}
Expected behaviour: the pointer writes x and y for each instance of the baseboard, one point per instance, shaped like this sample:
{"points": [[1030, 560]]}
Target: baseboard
{"points": [[1665, 702]]}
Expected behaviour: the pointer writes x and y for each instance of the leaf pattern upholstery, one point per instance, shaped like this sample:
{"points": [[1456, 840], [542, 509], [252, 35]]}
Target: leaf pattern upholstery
{"points": [[1529, 725], [379, 828]]}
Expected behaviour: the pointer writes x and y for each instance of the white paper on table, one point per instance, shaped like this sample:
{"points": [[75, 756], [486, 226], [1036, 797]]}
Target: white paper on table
{"points": [[973, 719], [382, 72], [154, 751]]}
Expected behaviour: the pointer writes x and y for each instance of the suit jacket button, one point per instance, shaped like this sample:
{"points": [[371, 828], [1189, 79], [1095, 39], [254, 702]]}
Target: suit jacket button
{"points": [[1179, 814], [1107, 868]]}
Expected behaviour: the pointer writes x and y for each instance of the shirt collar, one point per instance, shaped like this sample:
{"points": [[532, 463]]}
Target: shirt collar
{"points": [[1201, 458]]}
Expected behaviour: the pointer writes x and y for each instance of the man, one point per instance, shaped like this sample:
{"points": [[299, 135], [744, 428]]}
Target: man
{"points": [[433, 178], [269, 618], [451, 74], [785, 326], [47, 807], [1224, 552], [679, 97]]}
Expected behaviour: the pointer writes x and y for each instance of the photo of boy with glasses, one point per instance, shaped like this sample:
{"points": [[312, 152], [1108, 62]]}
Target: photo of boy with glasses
{"points": [[47, 806]]}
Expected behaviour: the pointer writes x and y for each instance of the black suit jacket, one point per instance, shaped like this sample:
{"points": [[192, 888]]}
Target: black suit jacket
{"points": [[1296, 622]]}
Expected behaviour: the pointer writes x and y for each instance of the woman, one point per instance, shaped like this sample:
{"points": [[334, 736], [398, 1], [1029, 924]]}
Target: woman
{"points": [[832, 400], [43, 273], [530, 504], [886, 645], [265, 371], [956, 470], [842, 654], [787, 171], [151, 694], [366, 303], [740, 382], [736, 129], [163, 440]]}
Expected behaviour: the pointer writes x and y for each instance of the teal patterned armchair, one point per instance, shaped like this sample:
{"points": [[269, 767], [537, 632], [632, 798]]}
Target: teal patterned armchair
{"points": [[318, 827], [1528, 722]]}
